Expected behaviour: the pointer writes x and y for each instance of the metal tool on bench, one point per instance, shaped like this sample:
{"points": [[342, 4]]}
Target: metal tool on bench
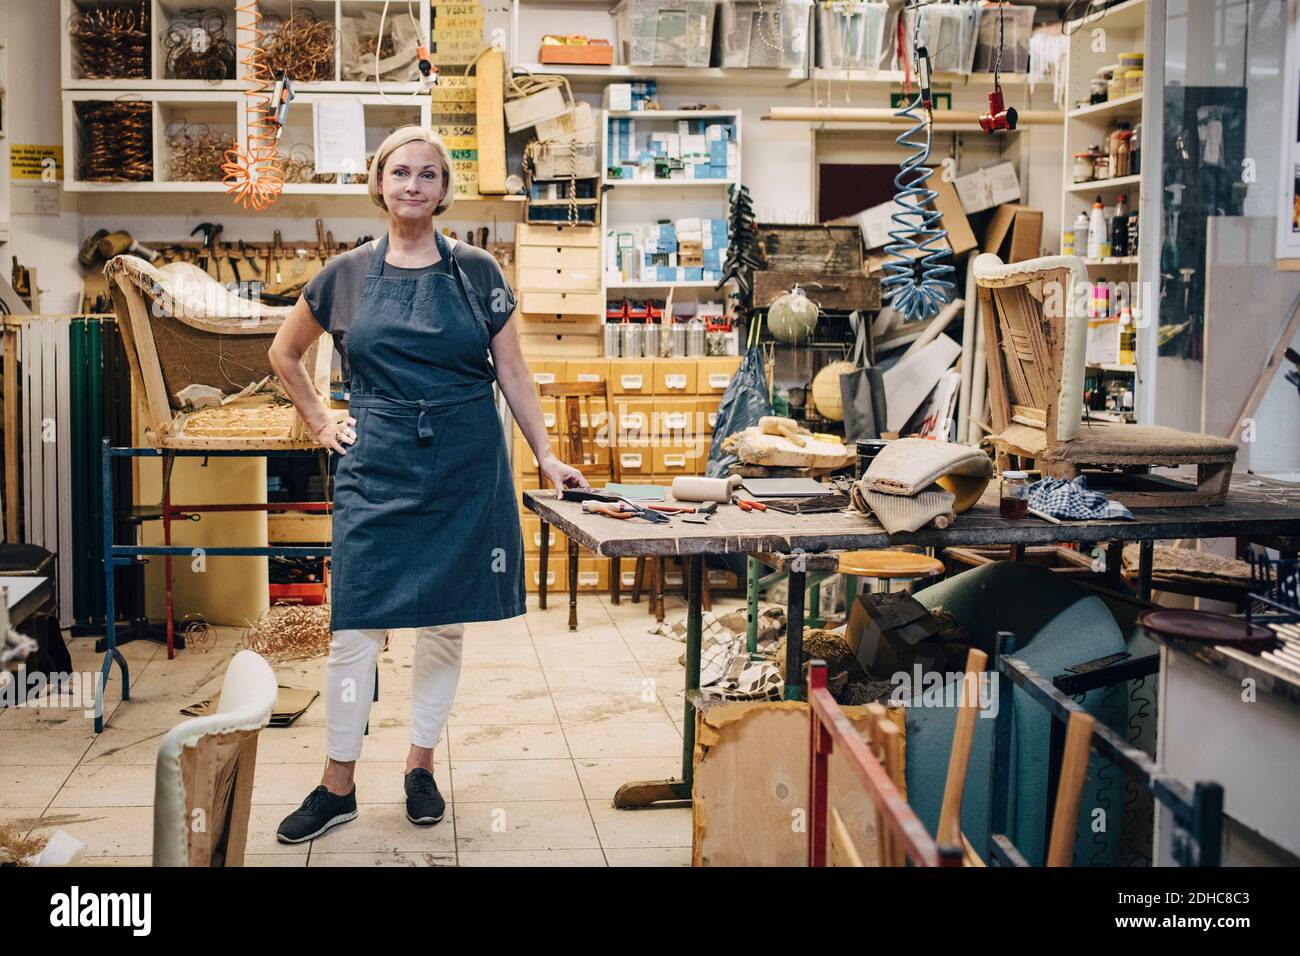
{"points": [[747, 504], [616, 506], [702, 514]]}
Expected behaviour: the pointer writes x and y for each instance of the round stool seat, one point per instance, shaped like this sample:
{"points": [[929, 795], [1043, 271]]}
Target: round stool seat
{"points": [[889, 564]]}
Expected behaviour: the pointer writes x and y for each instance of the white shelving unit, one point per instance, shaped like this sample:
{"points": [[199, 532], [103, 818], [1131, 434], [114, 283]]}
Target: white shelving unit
{"points": [[1123, 28], [631, 202], [221, 104]]}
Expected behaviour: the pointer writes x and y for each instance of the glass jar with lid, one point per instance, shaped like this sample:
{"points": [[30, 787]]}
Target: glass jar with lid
{"points": [[1013, 501]]}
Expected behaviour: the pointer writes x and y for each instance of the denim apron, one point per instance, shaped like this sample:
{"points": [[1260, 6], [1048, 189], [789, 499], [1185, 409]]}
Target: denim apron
{"points": [[426, 528]]}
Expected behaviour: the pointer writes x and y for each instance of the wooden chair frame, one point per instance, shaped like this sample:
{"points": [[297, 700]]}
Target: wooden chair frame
{"points": [[1029, 363]]}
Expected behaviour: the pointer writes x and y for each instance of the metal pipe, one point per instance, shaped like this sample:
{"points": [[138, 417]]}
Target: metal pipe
{"points": [[882, 114]]}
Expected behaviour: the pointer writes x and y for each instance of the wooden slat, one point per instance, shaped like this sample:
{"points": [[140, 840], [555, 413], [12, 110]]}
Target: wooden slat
{"points": [[963, 737], [1069, 790], [999, 404], [841, 851], [12, 429], [489, 95], [156, 403]]}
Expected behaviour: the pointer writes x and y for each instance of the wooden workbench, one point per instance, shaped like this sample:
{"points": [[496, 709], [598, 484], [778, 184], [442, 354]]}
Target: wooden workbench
{"points": [[1257, 509]]}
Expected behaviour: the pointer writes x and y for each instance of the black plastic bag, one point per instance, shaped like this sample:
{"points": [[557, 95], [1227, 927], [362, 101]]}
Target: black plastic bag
{"points": [[743, 403]]}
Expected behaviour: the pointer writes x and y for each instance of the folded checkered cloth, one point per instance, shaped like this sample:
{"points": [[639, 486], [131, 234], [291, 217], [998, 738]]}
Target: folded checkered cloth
{"points": [[1072, 499]]}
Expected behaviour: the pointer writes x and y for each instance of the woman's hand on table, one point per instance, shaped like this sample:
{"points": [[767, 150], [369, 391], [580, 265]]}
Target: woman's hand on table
{"points": [[334, 435], [563, 476]]}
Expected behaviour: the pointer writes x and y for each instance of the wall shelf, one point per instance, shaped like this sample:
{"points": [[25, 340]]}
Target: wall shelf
{"points": [[1118, 108], [1092, 185]]}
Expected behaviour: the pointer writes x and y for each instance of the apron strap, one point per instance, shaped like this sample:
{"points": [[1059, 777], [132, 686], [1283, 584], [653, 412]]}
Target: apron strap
{"points": [[377, 260]]}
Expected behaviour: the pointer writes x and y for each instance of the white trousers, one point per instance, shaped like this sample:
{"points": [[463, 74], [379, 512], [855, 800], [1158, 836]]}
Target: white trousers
{"points": [[350, 685]]}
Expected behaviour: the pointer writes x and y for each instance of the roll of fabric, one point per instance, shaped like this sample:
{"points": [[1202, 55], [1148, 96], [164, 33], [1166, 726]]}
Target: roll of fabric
{"points": [[911, 512]]}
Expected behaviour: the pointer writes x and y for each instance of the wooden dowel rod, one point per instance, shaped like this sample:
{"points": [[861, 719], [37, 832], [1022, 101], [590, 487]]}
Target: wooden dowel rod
{"points": [[1069, 790], [963, 737], [883, 114]]}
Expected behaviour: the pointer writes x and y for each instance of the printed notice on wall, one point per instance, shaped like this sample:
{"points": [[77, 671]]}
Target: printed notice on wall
{"points": [[35, 172]]}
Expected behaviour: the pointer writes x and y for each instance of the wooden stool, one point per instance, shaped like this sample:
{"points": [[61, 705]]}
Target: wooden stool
{"points": [[884, 566]]}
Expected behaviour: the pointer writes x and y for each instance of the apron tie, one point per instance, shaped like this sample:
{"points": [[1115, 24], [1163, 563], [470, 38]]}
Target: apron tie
{"points": [[423, 426]]}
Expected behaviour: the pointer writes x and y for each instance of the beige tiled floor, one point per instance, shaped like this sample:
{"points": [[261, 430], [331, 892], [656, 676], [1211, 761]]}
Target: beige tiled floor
{"points": [[547, 724]]}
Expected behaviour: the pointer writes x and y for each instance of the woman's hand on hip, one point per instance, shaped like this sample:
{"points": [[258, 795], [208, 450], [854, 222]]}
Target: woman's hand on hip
{"points": [[563, 476], [334, 435]]}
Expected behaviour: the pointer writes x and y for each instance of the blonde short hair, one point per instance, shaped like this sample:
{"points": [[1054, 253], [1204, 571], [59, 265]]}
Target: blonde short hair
{"points": [[400, 137]]}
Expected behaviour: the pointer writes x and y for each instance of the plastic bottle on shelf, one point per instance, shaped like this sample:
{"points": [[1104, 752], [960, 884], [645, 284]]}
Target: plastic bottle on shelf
{"points": [[1081, 235], [1096, 229], [1119, 228]]}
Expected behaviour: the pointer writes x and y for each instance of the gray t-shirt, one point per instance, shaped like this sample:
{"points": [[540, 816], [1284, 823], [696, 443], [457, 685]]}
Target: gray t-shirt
{"points": [[334, 293]]}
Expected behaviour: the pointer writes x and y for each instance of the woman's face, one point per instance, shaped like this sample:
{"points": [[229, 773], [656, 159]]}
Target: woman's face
{"points": [[411, 181]]}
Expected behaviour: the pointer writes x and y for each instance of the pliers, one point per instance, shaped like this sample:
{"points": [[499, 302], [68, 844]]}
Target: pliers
{"points": [[747, 504]]}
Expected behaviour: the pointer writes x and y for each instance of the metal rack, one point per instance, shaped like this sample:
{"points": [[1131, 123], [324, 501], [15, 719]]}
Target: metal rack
{"points": [[120, 554]]}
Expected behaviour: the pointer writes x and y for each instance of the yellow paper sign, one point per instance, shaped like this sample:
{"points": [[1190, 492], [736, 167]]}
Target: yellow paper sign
{"points": [[28, 161]]}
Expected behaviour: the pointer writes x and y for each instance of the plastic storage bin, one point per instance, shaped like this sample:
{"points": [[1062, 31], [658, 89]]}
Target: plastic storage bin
{"points": [[948, 32], [850, 34], [657, 33], [1018, 24], [765, 34]]}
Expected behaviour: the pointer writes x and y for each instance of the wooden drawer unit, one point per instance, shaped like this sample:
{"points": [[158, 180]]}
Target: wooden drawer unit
{"points": [[635, 460], [586, 370], [684, 459], [706, 415], [631, 377], [546, 371], [675, 417], [634, 418], [713, 375], [557, 572], [549, 416], [593, 573], [533, 234], [532, 528], [675, 377], [576, 270], [561, 306], [557, 273]]}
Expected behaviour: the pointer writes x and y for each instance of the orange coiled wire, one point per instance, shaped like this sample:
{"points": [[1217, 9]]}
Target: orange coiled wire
{"points": [[254, 174]]}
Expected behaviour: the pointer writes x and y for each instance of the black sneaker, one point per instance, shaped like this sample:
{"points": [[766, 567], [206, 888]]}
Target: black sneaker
{"points": [[424, 805], [321, 811]]}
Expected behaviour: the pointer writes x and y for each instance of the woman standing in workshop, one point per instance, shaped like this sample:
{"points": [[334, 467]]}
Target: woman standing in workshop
{"points": [[426, 529]]}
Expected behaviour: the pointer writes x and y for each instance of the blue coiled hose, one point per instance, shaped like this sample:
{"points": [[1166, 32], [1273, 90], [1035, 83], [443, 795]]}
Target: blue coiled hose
{"points": [[915, 284]]}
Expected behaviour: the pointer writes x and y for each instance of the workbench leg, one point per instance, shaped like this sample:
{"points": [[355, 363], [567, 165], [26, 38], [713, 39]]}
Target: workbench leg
{"points": [[794, 686], [111, 653], [1146, 558], [615, 579], [645, 793], [752, 570], [541, 563], [1115, 565], [573, 585]]}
